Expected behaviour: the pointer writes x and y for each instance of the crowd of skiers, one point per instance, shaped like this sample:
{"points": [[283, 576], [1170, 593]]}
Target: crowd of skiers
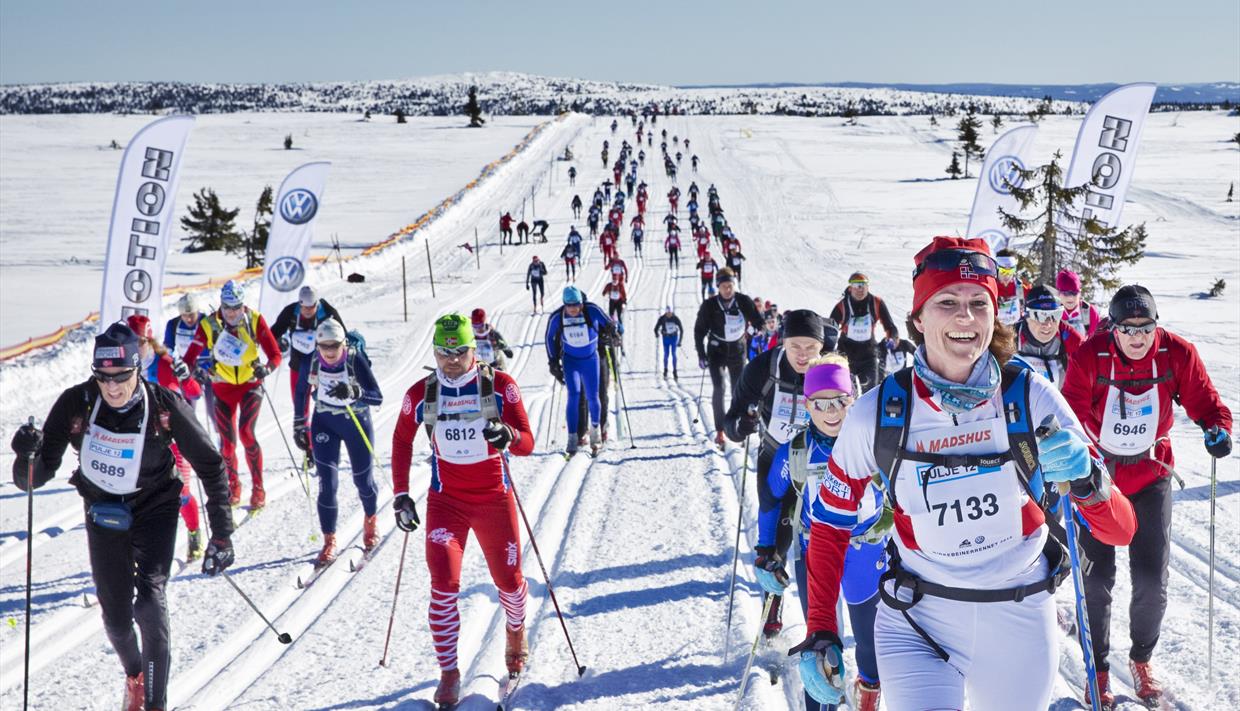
{"points": [[946, 489]]}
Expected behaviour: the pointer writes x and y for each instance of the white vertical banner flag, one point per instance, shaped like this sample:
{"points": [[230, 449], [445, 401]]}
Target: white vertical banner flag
{"points": [[142, 213], [1106, 152], [288, 245], [1009, 153]]}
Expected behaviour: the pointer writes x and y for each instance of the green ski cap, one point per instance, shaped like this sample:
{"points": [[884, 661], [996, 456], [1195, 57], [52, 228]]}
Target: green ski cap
{"points": [[454, 331]]}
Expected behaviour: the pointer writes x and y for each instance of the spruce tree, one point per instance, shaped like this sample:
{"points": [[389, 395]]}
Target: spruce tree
{"points": [[1057, 237], [209, 225], [400, 115], [254, 244], [966, 133], [996, 123], [954, 168], [288, 141], [933, 120]]}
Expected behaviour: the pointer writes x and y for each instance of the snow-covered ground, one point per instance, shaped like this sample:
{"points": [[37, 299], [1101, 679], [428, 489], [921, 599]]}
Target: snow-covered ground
{"points": [[638, 543]]}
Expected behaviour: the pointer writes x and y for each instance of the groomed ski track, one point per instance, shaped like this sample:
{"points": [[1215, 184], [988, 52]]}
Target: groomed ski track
{"points": [[638, 542]]}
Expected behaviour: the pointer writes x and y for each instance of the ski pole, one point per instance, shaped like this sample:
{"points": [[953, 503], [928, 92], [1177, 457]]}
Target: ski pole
{"points": [[30, 567], [284, 637], [292, 459], [697, 414], [1210, 587], [736, 551], [400, 570], [1050, 426], [753, 651], [581, 670], [365, 438], [623, 401]]}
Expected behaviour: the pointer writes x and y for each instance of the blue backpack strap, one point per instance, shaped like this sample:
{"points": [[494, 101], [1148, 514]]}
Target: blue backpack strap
{"points": [[894, 412], [1022, 443]]}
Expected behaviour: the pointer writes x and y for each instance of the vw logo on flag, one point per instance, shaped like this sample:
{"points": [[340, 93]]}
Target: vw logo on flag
{"points": [[1004, 174], [299, 206], [285, 274]]}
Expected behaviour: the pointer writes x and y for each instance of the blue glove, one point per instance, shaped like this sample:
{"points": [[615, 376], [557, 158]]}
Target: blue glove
{"points": [[822, 667], [769, 569], [1218, 442], [1064, 457]]}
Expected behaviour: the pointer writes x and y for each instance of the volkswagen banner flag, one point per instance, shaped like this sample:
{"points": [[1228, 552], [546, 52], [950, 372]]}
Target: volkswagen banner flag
{"points": [[288, 247]]}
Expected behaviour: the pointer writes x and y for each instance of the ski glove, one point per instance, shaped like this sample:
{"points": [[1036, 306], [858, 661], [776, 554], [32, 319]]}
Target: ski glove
{"points": [[202, 376], [219, 555], [557, 370], [747, 424], [822, 667], [1218, 442], [27, 440], [702, 363], [769, 569], [284, 344], [498, 435], [345, 391], [301, 438], [507, 352], [1064, 457], [180, 369], [406, 513], [261, 371]]}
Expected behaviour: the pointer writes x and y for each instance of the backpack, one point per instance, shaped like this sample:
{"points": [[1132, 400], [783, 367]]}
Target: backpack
{"points": [[357, 342], [486, 395]]}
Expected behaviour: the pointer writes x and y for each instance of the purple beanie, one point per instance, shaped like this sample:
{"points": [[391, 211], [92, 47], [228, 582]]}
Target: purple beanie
{"points": [[1068, 281], [828, 376]]}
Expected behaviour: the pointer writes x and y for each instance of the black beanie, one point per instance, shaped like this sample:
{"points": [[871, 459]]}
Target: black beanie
{"points": [[802, 322], [116, 347], [1133, 301]]}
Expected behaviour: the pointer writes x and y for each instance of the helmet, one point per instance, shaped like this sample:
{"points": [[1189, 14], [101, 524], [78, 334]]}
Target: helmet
{"points": [[453, 331], [232, 294], [187, 304], [572, 295], [478, 317], [330, 331]]}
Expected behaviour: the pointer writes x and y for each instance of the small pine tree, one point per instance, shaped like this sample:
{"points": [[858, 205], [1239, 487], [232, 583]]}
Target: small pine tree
{"points": [[209, 225], [933, 120], [114, 145], [850, 115], [1217, 289], [254, 244], [400, 115], [1060, 238], [966, 133], [954, 168], [1236, 139], [288, 142], [1231, 191], [996, 123], [366, 116]]}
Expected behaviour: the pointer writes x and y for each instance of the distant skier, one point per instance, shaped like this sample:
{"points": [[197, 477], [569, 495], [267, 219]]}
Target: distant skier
{"points": [[1081, 316], [859, 314], [576, 205], [707, 269], [505, 228], [672, 332], [719, 339], [671, 245], [490, 346], [572, 175], [570, 254], [534, 276], [540, 230], [1043, 340], [735, 261], [1011, 289]]}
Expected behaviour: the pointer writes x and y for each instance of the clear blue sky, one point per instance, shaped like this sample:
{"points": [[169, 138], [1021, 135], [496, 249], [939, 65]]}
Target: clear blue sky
{"points": [[670, 42]]}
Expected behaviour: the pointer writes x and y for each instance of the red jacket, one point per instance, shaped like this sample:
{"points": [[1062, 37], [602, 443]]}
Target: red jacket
{"points": [[1182, 376], [615, 291]]}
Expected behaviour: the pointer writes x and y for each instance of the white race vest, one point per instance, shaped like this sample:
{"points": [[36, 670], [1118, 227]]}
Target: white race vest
{"points": [[182, 338], [486, 351], [1048, 368], [1131, 432], [326, 381], [964, 516], [670, 328], [458, 429], [228, 349], [733, 326], [112, 461], [861, 328], [302, 341], [783, 422], [1009, 310]]}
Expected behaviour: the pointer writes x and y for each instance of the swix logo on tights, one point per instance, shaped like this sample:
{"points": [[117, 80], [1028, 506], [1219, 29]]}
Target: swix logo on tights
{"points": [[442, 536]]}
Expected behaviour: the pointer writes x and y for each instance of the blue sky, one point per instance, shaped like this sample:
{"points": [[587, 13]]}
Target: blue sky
{"points": [[670, 42]]}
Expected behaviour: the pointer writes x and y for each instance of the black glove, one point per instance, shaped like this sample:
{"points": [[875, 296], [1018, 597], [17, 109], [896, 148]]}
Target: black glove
{"points": [[747, 423], [406, 514], [179, 369], [219, 556], [284, 344], [498, 435], [1218, 442], [301, 438], [702, 362], [27, 440], [557, 370], [507, 352], [261, 371], [345, 391], [202, 376]]}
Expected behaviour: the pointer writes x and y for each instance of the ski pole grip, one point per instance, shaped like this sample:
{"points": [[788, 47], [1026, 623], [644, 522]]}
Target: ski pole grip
{"points": [[1049, 426]]}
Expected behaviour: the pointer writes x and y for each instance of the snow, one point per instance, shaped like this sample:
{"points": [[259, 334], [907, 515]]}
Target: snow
{"points": [[638, 543]]}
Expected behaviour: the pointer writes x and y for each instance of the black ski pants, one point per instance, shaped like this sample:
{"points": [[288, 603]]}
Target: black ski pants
{"points": [[536, 291], [1148, 556], [863, 361], [718, 362]]}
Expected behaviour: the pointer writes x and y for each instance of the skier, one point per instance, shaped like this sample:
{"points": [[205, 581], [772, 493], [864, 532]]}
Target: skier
{"points": [[975, 545], [534, 275], [178, 334], [619, 270], [540, 228], [671, 245], [796, 472], [475, 419], [638, 234], [859, 313], [673, 198], [234, 335], [617, 297], [694, 159], [572, 340], [707, 269], [294, 329], [592, 220], [1043, 340], [569, 254], [1011, 289], [122, 429], [701, 239], [343, 388], [735, 260], [607, 244], [719, 339], [505, 228], [572, 177], [489, 343], [1080, 315], [768, 397], [1122, 384], [729, 241], [576, 205], [523, 232], [768, 338], [672, 331], [607, 191]]}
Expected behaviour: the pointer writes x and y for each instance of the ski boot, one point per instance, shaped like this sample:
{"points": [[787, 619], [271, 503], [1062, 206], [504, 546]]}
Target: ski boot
{"points": [[370, 533], [135, 693], [603, 432], [570, 445], [448, 693], [1147, 687], [774, 620], [719, 440], [596, 438], [328, 554], [516, 650], [234, 490], [675, 375], [195, 546], [1106, 700], [665, 373], [866, 695], [258, 498]]}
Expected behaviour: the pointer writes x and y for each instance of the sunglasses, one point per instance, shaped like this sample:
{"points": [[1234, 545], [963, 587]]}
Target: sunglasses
{"points": [[329, 345], [120, 377], [451, 352], [1134, 330], [1007, 271], [1045, 315], [970, 264], [858, 283], [826, 404]]}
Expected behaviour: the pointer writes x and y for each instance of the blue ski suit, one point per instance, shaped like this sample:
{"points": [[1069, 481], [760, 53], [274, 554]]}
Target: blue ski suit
{"points": [[573, 341]]}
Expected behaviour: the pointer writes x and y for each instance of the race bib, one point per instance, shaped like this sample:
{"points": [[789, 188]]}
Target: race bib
{"points": [[1009, 310], [302, 341], [787, 413], [229, 349], [670, 329], [458, 431], [486, 351], [110, 460], [181, 341], [861, 328], [326, 381], [577, 335], [1130, 422], [733, 326]]}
